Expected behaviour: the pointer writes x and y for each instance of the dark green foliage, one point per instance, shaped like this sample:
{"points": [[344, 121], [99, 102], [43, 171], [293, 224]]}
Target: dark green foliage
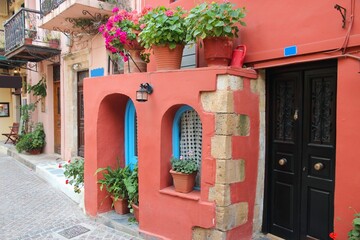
{"points": [[132, 186], [114, 181], [354, 233], [187, 166], [32, 140], [163, 26], [214, 20]]}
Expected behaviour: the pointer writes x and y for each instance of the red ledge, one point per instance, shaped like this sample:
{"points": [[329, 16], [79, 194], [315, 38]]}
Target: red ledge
{"points": [[194, 195], [243, 72]]}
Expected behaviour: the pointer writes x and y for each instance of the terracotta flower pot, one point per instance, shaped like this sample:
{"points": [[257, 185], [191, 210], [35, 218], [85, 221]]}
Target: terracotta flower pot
{"points": [[28, 41], [218, 51], [53, 43], [34, 151], [135, 63], [183, 183], [136, 211], [168, 59], [120, 205]]}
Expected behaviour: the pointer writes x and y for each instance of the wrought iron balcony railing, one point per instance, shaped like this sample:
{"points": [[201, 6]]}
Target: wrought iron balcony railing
{"points": [[19, 27], [46, 6], [2, 40]]}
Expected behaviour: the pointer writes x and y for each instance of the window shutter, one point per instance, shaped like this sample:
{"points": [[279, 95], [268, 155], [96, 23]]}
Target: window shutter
{"points": [[191, 138], [3, 8]]}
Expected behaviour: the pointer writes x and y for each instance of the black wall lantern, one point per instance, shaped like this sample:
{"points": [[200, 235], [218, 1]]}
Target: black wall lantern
{"points": [[143, 93]]}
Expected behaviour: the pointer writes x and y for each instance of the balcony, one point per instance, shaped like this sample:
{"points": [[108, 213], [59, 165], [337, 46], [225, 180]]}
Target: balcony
{"points": [[4, 62], [76, 16], [24, 41]]}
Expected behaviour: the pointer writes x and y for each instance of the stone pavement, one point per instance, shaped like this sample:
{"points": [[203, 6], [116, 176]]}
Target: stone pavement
{"points": [[32, 209]]}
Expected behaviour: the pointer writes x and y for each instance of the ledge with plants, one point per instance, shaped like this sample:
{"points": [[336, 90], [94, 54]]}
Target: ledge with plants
{"points": [[184, 170]]}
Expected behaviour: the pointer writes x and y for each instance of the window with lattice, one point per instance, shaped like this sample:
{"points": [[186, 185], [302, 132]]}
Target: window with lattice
{"points": [[189, 132]]}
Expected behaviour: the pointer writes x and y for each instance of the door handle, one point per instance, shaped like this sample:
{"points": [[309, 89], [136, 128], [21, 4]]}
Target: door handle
{"points": [[318, 166], [282, 161], [296, 114]]}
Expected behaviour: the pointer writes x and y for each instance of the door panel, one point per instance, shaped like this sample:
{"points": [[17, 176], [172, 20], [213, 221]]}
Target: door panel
{"points": [[284, 156], [319, 153], [81, 134], [57, 118], [302, 112]]}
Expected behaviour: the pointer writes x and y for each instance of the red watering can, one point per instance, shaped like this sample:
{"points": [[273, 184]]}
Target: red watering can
{"points": [[238, 56]]}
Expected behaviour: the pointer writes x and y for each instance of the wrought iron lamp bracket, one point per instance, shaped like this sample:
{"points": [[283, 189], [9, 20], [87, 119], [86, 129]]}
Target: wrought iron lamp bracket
{"points": [[342, 11]]}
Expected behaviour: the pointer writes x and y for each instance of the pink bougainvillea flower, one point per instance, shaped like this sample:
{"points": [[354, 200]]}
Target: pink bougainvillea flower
{"points": [[142, 26], [69, 161], [115, 9], [169, 13], [60, 166], [67, 181]]}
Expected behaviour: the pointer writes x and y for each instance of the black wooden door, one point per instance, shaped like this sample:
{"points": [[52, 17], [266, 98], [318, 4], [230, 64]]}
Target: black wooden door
{"points": [[301, 152]]}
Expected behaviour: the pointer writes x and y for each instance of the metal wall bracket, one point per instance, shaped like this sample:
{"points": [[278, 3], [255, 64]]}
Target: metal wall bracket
{"points": [[343, 14]]}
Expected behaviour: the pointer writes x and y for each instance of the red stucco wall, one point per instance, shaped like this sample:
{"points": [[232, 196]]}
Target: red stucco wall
{"points": [[160, 206], [347, 178]]}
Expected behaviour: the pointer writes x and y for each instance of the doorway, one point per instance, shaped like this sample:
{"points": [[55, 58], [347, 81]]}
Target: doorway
{"points": [[57, 109], [301, 150], [80, 96]]}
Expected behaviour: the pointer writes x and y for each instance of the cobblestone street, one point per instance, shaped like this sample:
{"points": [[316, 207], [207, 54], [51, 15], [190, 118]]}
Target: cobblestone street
{"points": [[31, 209]]}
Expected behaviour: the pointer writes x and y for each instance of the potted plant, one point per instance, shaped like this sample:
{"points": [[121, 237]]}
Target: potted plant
{"points": [[184, 173], [217, 24], [164, 31], [32, 142], [53, 39], [30, 27], [132, 187], [121, 38], [30, 35], [113, 180]]}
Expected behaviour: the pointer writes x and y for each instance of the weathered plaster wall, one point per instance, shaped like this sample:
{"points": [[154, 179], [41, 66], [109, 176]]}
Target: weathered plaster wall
{"points": [[68, 88]]}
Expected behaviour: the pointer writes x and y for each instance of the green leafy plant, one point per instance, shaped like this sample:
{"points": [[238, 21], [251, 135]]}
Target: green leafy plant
{"points": [[163, 26], [183, 165], [132, 187], [39, 89], [74, 172], [354, 233], [113, 180], [214, 20], [32, 140]]}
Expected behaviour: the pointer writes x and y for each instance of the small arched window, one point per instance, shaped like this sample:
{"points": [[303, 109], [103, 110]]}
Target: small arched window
{"points": [[187, 136], [130, 135]]}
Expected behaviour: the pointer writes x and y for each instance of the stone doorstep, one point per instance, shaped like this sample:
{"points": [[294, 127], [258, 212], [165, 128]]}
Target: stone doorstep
{"points": [[120, 223]]}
